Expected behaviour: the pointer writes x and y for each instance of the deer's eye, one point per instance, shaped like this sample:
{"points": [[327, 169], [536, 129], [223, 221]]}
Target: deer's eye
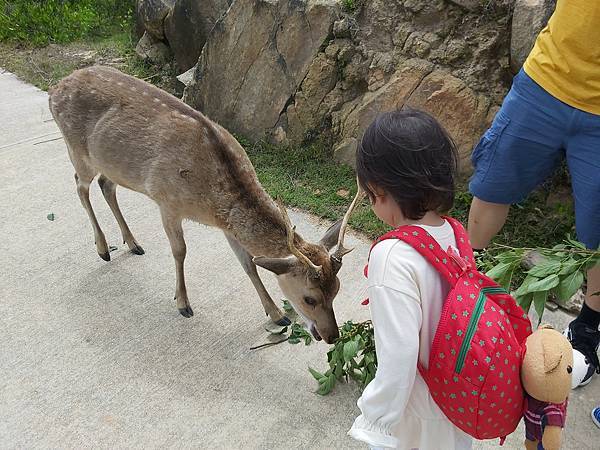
{"points": [[310, 301], [569, 369]]}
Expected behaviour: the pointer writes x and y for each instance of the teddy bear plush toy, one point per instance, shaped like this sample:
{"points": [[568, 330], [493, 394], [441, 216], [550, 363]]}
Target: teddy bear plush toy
{"points": [[546, 376]]}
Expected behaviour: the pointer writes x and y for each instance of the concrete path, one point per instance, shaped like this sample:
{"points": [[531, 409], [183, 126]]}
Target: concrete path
{"points": [[95, 354]]}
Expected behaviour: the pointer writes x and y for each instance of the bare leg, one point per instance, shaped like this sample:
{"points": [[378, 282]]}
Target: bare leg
{"points": [[172, 226], [531, 445], [245, 260], [485, 221], [593, 287], [109, 190], [83, 190]]}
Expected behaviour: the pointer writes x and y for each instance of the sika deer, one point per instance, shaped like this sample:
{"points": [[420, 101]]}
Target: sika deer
{"points": [[137, 136]]}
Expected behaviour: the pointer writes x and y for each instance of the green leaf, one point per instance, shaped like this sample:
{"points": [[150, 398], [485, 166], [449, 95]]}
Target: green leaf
{"points": [[276, 331], [524, 288], [338, 371], [544, 284], [509, 257], [499, 270], [524, 301], [287, 307], [506, 280], [569, 285], [317, 375], [326, 387], [539, 302], [350, 350], [294, 340], [576, 244], [568, 266], [545, 268]]}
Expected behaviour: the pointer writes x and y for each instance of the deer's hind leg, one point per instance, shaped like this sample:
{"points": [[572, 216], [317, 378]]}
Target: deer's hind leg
{"points": [[83, 180], [249, 267], [109, 190]]}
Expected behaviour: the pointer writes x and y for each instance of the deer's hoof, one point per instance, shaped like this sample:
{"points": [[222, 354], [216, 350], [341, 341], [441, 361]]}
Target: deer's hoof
{"points": [[186, 312], [283, 322], [105, 256], [137, 250]]}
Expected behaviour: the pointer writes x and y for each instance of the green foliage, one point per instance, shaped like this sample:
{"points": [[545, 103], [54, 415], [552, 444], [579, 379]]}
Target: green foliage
{"points": [[560, 273], [39, 23], [299, 334], [352, 356], [309, 178], [349, 5]]}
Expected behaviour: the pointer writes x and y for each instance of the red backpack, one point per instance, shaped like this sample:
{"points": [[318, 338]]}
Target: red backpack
{"points": [[474, 365]]}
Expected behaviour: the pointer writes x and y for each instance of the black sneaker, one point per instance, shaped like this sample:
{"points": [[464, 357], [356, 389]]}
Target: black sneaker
{"points": [[585, 340]]}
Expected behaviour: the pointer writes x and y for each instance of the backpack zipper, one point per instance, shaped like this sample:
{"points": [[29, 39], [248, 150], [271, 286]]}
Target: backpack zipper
{"points": [[477, 312]]}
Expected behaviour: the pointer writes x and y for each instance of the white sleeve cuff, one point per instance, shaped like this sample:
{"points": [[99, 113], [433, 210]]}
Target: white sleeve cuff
{"points": [[371, 434]]}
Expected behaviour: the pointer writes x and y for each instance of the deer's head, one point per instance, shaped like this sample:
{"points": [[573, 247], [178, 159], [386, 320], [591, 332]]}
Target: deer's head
{"points": [[308, 278]]}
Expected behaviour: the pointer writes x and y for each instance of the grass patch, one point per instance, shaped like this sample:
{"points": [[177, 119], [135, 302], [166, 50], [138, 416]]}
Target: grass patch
{"points": [[308, 178], [45, 66], [41, 22]]}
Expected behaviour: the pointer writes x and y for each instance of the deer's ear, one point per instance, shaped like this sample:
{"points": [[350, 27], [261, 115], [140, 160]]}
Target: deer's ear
{"points": [[331, 235], [278, 266]]}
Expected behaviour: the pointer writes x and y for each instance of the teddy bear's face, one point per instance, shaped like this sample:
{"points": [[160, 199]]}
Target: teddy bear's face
{"points": [[547, 366]]}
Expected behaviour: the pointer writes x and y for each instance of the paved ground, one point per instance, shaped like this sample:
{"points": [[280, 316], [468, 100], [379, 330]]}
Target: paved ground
{"points": [[95, 354]]}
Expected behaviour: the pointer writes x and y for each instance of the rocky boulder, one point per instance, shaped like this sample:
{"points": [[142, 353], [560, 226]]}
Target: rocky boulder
{"points": [[187, 26], [152, 14], [529, 18], [153, 50], [471, 5], [255, 60], [463, 112]]}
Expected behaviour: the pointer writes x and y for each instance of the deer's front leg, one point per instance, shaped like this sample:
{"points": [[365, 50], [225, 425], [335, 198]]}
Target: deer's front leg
{"points": [[245, 259], [172, 226]]}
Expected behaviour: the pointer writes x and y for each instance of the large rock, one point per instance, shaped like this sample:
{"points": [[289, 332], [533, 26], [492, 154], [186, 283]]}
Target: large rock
{"points": [[153, 50], [187, 26], [310, 105], [356, 116], [152, 14], [476, 5], [471, 5], [256, 58], [463, 112], [529, 17]]}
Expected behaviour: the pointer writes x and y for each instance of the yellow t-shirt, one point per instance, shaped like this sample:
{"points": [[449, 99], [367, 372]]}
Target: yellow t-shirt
{"points": [[565, 60]]}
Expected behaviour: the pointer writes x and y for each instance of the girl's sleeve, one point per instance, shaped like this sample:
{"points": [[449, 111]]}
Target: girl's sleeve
{"points": [[397, 317]]}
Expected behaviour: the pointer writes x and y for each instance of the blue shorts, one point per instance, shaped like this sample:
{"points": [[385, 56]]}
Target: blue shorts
{"points": [[531, 134]]}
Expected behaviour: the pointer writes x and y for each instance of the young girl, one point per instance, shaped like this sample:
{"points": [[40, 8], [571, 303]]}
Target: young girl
{"points": [[406, 163]]}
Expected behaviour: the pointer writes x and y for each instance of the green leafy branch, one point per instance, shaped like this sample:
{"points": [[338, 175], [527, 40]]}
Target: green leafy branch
{"points": [[558, 271], [352, 356]]}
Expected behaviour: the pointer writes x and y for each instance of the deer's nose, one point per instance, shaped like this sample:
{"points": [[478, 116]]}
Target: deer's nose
{"points": [[333, 336]]}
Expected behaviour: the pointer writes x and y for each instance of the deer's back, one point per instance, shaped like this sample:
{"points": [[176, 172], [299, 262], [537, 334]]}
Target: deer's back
{"points": [[148, 140]]}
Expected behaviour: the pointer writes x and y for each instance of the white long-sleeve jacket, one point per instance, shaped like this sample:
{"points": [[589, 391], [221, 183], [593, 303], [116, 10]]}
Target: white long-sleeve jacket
{"points": [[406, 296]]}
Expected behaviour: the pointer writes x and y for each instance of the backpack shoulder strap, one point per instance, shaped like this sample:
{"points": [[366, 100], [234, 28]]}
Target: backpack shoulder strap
{"points": [[427, 246], [463, 244]]}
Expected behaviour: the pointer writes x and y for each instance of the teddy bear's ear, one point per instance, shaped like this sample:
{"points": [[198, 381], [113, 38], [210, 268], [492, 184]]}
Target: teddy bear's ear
{"points": [[552, 354]]}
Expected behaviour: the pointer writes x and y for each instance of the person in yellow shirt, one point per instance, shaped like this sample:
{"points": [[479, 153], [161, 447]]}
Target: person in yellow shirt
{"points": [[551, 113]]}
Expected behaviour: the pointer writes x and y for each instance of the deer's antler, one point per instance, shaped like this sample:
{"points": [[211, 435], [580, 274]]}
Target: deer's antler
{"points": [[340, 250], [290, 232]]}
